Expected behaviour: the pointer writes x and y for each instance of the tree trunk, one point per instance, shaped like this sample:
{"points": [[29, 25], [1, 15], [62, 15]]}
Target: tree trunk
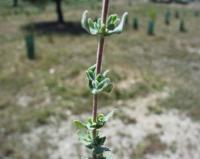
{"points": [[130, 2], [59, 12], [15, 3]]}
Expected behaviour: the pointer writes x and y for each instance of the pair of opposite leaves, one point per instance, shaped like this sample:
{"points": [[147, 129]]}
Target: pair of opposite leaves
{"points": [[114, 24]]}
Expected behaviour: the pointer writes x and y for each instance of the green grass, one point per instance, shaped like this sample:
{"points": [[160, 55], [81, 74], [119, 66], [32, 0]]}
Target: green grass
{"points": [[150, 145], [154, 62]]}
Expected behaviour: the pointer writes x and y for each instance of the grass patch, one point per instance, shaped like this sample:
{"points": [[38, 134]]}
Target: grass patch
{"points": [[150, 145], [156, 109], [185, 100]]}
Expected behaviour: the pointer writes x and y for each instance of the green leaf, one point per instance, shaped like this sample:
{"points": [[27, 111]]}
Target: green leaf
{"points": [[99, 141], [112, 21], [100, 117], [113, 24], [100, 150], [109, 115], [90, 124], [87, 143], [99, 77], [105, 85], [90, 23], [79, 124], [92, 68], [102, 84], [100, 121], [109, 87], [84, 21], [85, 137], [105, 73], [99, 83], [90, 85], [92, 27], [99, 23], [102, 30], [90, 75], [112, 18], [118, 29]]}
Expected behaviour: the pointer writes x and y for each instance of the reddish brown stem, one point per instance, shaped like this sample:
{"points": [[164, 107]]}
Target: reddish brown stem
{"points": [[100, 51], [105, 8], [98, 70]]}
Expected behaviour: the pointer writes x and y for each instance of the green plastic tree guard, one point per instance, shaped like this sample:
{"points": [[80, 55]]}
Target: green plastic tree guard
{"points": [[151, 27], [30, 46], [177, 14], [182, 27], [135, 23], [167, 17]]}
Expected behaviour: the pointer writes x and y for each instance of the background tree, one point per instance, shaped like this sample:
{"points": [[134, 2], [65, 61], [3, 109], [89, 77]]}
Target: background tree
{"points": [[58, 7], [59, 11], [15, 3]]}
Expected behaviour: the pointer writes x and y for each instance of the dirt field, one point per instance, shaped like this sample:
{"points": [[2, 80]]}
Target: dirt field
{"points": [[156, 84]]}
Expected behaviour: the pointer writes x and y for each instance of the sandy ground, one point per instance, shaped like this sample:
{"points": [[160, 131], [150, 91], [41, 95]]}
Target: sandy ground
{"points": [[175, 129]]}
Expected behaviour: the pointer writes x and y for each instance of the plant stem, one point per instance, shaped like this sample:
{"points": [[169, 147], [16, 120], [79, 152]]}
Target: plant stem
{"points": [[100, 51]]}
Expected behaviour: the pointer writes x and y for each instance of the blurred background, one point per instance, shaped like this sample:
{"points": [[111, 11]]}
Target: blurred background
{"points": [[154, 65]]}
